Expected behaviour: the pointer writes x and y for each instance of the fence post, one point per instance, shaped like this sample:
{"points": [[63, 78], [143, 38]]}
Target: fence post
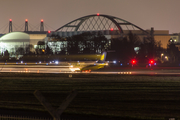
{"points": [[55, 113], [66, 102], [46, 104]]}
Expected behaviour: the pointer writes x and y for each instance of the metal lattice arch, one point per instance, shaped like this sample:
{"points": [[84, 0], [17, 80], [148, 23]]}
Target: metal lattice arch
{"points": [[98, 22]]}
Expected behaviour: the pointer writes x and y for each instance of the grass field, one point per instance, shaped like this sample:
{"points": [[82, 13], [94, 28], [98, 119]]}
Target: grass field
{"points": [[123, 96]]}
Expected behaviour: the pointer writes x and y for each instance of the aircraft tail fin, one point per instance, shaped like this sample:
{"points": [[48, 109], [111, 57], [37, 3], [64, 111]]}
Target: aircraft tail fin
{"points": [[103, 57]]}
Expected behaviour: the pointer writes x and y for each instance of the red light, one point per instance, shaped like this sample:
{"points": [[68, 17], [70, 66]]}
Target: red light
{"points": [[10, 20], [49, 31], [151, 61], [133, 61], [112, 29], [26, 20], [42, 20], [97, 14]]}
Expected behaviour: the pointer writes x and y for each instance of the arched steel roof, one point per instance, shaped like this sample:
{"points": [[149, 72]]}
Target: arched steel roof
{"points": [[99, 22]]}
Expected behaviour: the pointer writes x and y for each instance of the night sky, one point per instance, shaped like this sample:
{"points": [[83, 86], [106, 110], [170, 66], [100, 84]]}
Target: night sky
{"points": [[160, 14]]}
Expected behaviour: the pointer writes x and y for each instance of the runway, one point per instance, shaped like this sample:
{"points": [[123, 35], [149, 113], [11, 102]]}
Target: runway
{"points": [[37, 68], [44, 68]]}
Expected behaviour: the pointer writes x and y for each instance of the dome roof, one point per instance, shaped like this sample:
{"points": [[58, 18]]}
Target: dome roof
{"points": [[15, 36]]}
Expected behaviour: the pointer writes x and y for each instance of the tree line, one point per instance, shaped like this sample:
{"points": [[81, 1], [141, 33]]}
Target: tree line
{"points": [[89, 43]]}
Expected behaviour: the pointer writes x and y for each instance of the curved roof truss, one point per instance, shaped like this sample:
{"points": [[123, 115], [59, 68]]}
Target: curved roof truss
{"points": [[99, 22]]}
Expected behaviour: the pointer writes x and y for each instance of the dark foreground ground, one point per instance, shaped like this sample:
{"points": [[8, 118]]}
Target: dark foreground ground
{"points": [[99, 96]]}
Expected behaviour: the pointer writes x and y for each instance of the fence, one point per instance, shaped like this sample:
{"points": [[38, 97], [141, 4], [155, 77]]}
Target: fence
{"points": [[10, 117]]}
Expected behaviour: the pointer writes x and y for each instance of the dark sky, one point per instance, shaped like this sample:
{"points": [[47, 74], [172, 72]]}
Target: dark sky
{"points": [[160, 14]]}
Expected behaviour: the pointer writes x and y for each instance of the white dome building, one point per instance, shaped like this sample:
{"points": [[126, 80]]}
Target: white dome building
{"points": [[14, 40], [15, 36]]}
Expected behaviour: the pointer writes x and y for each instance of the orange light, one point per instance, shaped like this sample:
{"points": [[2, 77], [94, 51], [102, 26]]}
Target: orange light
{"points": [[10, 20], [97, 14], [42, 20], [49, 31], [26, 20]]}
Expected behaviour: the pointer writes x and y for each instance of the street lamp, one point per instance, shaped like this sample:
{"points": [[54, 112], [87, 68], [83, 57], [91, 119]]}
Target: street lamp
{"points": [[166, 57], [162, 55]]}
